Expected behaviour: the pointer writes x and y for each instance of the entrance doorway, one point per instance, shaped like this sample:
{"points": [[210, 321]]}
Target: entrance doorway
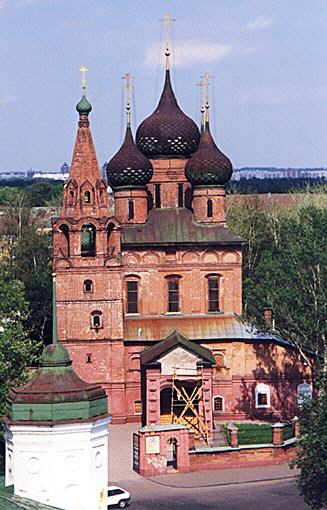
{"points": [[172, 453]]}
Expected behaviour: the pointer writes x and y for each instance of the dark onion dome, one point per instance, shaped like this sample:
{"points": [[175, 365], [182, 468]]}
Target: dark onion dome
{"points": [[168, 132], [84, 107], [129, 167], [208, 166]]}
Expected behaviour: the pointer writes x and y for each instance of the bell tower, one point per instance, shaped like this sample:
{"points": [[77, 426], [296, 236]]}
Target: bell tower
{"points": [[87, 261]]}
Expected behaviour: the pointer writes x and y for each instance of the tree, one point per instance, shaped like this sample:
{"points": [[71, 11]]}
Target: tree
{"points": [[285, 267], [312, 449], [29, 260], [17, 350]]}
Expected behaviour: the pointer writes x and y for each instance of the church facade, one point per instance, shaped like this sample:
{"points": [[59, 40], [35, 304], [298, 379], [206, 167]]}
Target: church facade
{"points": [[148, 297]]}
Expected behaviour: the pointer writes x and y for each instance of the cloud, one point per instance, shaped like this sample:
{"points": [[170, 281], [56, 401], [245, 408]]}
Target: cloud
{"points": [[3, 3], [259, 23], [285, 95], [189, 52]]}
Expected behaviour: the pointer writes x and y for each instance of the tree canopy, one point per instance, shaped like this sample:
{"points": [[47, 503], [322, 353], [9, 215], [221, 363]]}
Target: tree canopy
{"points": [[18, 351], [285, 268]]}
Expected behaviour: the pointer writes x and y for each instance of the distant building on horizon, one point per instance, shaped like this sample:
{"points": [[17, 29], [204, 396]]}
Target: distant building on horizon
{"points": [[278, 173]]}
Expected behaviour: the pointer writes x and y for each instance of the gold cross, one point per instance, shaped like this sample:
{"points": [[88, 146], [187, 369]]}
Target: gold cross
{"points": [[205, 78], [167, 20], [83, 71], [128, 87]]}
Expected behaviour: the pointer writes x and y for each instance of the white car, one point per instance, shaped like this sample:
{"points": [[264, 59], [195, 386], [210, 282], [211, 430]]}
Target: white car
{"points": [[117, 497]]}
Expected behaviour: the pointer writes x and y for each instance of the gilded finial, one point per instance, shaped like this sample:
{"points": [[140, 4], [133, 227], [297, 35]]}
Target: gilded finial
{"points": [[205, 79], [83, 107], [128, 89], [167, 20], [83, 71]]}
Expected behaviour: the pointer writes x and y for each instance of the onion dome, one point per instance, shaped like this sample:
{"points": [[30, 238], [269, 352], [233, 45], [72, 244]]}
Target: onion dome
{"points": [[129, 167], [56, 393], [168, 132], [208, 166], [84, 107]]}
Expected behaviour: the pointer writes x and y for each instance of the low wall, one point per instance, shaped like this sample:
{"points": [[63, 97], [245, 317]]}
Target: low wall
{"points": [[242, 456]]}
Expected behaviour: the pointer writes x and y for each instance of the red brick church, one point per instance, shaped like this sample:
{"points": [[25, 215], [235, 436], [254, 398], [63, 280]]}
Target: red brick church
{"points": [[148, 296]]}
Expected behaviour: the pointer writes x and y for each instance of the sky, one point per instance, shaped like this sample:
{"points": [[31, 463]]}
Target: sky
{"points": [[268, 60]]}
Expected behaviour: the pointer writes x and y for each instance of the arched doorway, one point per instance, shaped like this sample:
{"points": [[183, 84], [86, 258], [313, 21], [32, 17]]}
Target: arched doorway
{"points": [[172, 453], [165, 405]]}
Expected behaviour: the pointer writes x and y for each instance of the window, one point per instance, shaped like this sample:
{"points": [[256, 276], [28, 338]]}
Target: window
{"points": [[213, 293], [89, 358], [173, 293], [88, 286], [130, 209], [137, 407], [71, 198], [157, 195], [88, 234], [65, 240], [218, 404], [87, 197], [209, 208], [132, 296], [262, 395], [96, 320], [180, 195]]}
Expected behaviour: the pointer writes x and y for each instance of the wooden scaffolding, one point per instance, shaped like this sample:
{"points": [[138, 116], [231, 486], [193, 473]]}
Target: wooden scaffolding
{"points": [[188, 407]]}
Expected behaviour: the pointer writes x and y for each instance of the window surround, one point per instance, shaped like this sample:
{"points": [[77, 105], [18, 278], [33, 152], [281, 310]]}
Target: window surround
{"points": [[88, 286], [88, 240], [210, 302], [173, 295], [222, 404], [262, 390], [137, 279], [96, 320]]}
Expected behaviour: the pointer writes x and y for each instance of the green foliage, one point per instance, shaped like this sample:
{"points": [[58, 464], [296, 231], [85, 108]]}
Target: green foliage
{"points": [[17, 350], [253, 433], [29, 261], [285, 267], [253, 185], [312, 450], [31, 264]]}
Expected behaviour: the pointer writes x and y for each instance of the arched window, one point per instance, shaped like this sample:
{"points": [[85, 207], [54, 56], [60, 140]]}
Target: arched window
{"points": [[96, 320], [213, 293], [262, 395], [132, 296], [87, 197], [218, 404], [88, 286], [88, 235], [209, 208], [173, 293], [71, 198], [130, 209], [65, 240]]}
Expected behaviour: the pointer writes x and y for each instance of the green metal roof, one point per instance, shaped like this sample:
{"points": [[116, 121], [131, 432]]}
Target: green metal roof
{"points": [[167, 227], [56, 393]]}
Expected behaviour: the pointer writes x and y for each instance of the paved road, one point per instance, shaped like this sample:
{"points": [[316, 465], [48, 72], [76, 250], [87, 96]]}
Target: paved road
{"points": [[258, 496]]}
